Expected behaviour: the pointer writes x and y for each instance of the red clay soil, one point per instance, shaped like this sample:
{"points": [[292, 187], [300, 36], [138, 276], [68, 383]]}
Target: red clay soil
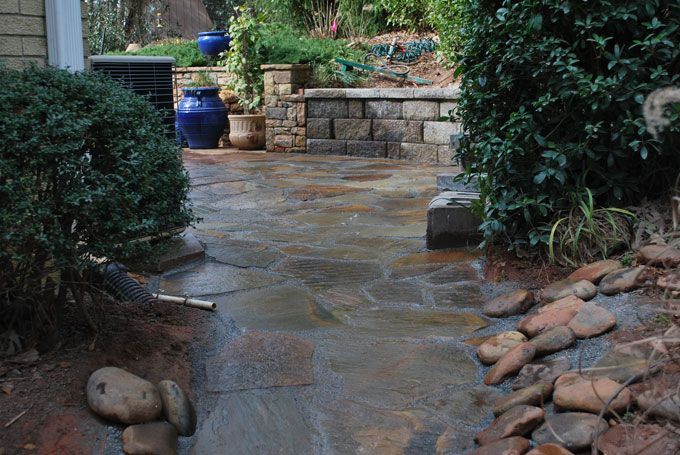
{"points": [[503, 265], [150, 342]]}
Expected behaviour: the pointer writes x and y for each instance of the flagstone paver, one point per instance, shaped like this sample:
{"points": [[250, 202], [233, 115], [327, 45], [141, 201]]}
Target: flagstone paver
{"points": [[339, 332]]}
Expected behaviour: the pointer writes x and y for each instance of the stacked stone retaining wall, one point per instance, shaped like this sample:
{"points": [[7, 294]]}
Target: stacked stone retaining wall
{"points": [[185, 75], [285, 107], [398, 123]]}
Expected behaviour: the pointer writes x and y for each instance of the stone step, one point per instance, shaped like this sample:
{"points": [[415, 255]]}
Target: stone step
{"points": [[450, 222], [445, 182]]}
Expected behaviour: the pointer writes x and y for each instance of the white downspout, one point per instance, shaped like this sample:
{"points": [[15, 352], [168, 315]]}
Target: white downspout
{"points": [[64, 34]]}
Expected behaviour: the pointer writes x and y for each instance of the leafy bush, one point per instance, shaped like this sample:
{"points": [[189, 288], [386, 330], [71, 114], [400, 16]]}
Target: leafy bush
{"points": [[551, 102], [186, 53], [283, 44], [448, 19], [86, 167], [318, 17], [410, 14], [361, 18]]}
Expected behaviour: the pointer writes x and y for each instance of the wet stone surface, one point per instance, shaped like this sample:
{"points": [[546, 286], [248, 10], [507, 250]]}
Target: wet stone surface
{"points": [[336, 331], [262, 360]]}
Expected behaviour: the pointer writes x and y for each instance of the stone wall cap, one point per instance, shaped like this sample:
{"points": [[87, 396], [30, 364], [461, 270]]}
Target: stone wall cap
{"points": [[295, 98], [429, 93], [436, 93], [189, 69], [284, 66], [325, 93], [130, 58], [454, 199]]}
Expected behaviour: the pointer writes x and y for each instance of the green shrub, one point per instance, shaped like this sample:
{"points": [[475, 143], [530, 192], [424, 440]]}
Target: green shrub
{"points": [[409, 14], [186, 53], [283, 44], [361, 18], [328, 76], [85, 168], [448, 19], [551, 102]]}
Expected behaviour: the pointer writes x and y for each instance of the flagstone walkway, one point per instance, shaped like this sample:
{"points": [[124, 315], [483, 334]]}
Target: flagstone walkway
{"points": [[337, 332]]}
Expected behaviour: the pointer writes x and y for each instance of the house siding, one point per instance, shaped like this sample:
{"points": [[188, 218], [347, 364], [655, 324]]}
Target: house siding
{"points": [[23, 34]]}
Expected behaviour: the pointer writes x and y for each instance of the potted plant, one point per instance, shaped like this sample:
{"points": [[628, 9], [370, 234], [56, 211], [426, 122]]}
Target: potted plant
{"points": [[243, 63], [201, 114]]}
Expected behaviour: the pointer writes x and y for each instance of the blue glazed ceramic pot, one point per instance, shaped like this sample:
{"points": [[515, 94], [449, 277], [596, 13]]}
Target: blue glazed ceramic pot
{"points": [[202, 117], [212, 43]]}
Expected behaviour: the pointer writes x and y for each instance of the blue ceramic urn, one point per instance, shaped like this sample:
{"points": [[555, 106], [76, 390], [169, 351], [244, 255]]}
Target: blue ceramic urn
{"points": [[202, 117], [212, 43]]}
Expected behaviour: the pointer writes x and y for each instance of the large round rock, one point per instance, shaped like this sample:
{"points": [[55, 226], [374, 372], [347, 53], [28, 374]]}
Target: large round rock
{"points": [[590, 394], [510, 363], [553, 340], [156, 438], [573, 430], [509, 304], [123, 397], [498, 345], [596, 271], [583, 289], [623, 280], [177, 408]]}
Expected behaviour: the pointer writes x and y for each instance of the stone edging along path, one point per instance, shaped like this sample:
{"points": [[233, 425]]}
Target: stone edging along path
{"points": [[584, 396]]}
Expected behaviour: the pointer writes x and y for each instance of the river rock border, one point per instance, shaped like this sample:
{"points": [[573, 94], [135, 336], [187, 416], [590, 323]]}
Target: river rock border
{"points": [[583, 397]]}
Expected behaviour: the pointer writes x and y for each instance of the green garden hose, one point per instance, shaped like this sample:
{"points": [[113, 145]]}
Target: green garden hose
{"points": [[406, 52]]}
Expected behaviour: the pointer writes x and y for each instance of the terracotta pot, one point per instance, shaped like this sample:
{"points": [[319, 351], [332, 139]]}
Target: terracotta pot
{"points": [[246, 132]]}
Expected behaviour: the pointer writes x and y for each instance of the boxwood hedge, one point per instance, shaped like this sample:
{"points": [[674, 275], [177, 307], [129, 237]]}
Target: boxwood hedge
{"points": [[85, 167]]}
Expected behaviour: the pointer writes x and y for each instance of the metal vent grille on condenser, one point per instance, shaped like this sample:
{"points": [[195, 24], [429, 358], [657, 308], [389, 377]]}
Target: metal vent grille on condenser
{"points": [[151, 77]]}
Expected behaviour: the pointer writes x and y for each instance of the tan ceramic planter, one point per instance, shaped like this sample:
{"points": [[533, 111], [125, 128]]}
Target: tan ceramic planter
{"points": [[246, 132]]}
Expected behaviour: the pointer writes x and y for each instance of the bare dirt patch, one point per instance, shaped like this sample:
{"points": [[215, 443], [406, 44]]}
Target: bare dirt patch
{"points": [[150, 342]]}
